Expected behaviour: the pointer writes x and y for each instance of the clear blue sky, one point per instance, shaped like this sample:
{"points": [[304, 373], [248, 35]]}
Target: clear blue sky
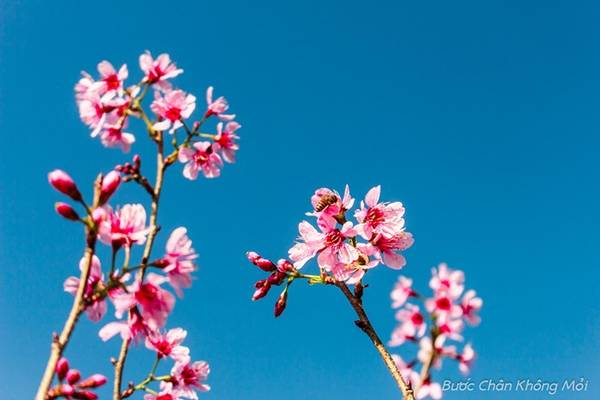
{"points": [[482, 117]]}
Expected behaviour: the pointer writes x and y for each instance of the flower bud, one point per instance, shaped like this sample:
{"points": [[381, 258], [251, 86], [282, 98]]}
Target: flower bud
{"points": [[67, 390], [261, 291], [285, 266], [110, 183], [63, 183], [93, 381], [85, 395], [277, 278], [260, 262], [66, 211], [281, 303], [73, 376], [62, 367]]}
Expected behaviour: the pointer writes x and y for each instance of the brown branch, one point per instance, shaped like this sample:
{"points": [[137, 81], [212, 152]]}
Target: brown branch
{"points": [[59, 343], [160, 171], [365, 325]]}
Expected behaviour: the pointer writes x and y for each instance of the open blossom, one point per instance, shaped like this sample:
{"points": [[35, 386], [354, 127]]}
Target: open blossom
{"points": [[466, 358], [200, 157], [110, 78], [471, 304], [166, 393], [134, 328], [379, 218], [158, 70], [112, 134], [385, 249], [169, 345], [402, 291], [225, 140], [179, 260], [447, 280], [442, 305], [217, 107], [172, 108], [331, 244], [412, 325], [156, 303], [97, 308], [429, 389], [187, 378], [124, 227], [328, 204]]}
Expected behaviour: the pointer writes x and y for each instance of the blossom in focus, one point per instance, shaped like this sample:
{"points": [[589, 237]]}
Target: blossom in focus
{"points": [[200, 157], [179, 260], [110, 78], [96, 310], [169, 344], [187, 378], [172, 108], [379, 218], [158, 70], [402, 291], [385, 249], [217, 107], [225, 140], [63, 183], [134, 328], [124, 227], [328, 204]]}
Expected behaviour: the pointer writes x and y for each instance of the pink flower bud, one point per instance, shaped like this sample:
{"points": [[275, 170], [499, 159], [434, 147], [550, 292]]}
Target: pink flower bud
{"points": [[66, 211], [62, 366], [73, 376], [93, 381], [63, 183], [277, 278], [67, 390], [110, 183], [85, 395], [260, 262], [261, 291], [281, 303], [285, 266]]}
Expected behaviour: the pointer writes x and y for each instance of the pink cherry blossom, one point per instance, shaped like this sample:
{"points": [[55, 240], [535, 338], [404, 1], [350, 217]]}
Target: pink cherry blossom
{"points": [[327, 203], [125, 226], [187, 378], [63, 183], [411, 325], [379, 218], [97, 308], [448, 280], [466, 359], [442, 305], [158, 70], [429, 389], [169, 345], [110, 79], [450, 327], [172, 108], [166, 393], [471, 304], [113, 135], [134, 328], [402, 291], [179, 260], [200, 157], [406, 370], [331, 244], [386, 249], [225, 140], [217, 107]]}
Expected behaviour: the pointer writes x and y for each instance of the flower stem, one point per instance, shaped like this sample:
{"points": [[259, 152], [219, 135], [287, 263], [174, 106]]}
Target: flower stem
{"points": [[365, 325]]}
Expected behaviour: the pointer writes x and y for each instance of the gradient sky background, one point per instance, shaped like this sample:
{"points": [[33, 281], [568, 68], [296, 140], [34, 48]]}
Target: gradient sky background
{"points": [[482, 117]]}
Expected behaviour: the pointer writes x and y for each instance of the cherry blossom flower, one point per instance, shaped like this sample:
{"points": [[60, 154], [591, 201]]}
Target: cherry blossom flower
{"points": [[225, 140], [445, 279], [113, 135], [379, 218], [187, 378], [172, 108], [429, 389], [406, 370], [411, 325], [179, 260], [169, 345], [217, 107], [471, 304], [110, 79], [158, 70], [96, 310], [442, 305], [200, 157], [166, 393], [452, 328], [466, 359], [328, 204], [385, 248], [133, 328], [402, 291], [125, 226]]}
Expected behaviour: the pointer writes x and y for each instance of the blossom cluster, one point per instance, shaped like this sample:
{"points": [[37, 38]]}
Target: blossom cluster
{"points": [[344, 249], [443, 316], [106, 105]]}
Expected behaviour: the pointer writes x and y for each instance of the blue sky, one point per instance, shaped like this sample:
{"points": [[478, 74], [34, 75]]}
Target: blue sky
{"points": [[481, 117]]}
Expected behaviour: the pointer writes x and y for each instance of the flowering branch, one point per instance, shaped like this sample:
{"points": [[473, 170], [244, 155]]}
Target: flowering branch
{"points": [[142, 305]]}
